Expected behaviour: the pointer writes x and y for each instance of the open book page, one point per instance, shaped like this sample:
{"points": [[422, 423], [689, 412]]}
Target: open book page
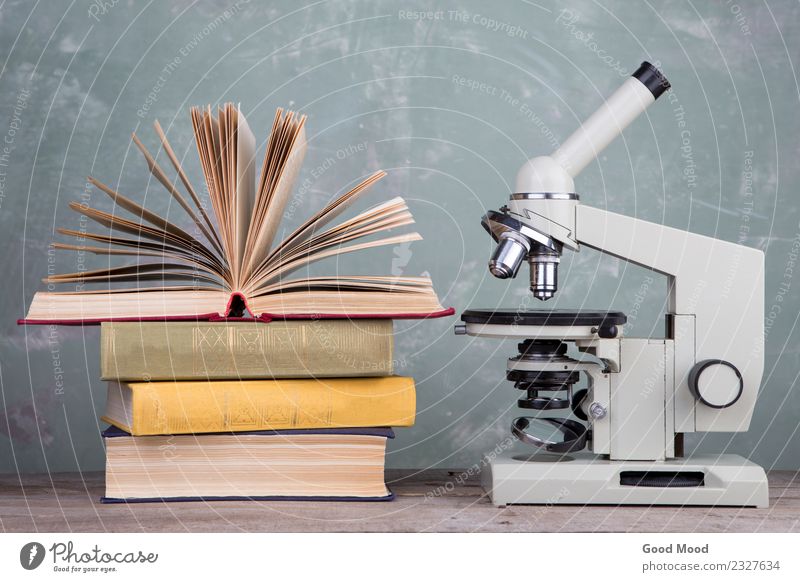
{"points": [[131, 304], [138, 249], [206, 131], [135, 247], [143, 214], [210, 227], [331, 242], [175, 243], [285, 153], [323, 217], [245, 186], [351, 299], [203, 224], [137, 273]]}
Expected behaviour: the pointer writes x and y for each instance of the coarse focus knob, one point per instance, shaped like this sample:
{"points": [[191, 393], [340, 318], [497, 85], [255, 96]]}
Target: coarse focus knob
{"points": [[716, 383]]}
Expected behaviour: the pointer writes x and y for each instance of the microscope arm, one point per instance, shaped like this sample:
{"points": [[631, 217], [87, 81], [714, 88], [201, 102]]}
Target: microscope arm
{"points": [[716, 305]]}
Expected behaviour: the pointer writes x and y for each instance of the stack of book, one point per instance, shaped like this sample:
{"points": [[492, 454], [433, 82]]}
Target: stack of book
{"points": [[217, 410], [247, 376]]}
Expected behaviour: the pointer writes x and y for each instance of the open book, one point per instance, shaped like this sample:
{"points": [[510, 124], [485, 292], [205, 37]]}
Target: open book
{"points": [[231, 261]]}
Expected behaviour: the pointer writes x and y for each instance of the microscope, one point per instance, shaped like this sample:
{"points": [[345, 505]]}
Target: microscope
{"points": [[641, 394]]}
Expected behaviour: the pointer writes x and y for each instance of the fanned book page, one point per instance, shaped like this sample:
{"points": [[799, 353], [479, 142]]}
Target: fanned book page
{"points": [[233, 261]]}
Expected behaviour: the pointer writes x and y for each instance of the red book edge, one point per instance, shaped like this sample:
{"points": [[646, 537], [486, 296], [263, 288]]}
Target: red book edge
{"points": [[263, 318]]}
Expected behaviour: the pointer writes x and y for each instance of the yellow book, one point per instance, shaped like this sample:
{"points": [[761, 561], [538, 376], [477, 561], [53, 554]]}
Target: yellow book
{"points": [[158, 408]]}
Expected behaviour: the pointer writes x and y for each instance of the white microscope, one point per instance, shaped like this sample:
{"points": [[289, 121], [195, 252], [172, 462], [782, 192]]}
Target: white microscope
{"points": [[643, 394]]}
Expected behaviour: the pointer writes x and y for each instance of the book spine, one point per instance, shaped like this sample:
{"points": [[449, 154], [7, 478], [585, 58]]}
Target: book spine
{"points": [[132, 351], [245, 406]]}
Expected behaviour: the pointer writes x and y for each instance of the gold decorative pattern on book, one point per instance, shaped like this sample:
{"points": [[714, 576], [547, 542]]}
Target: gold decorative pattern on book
{"points": [[217, 350]]}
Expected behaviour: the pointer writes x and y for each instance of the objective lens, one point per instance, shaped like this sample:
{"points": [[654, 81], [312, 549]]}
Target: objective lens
{"points": [[511, 250], [544, 272]]}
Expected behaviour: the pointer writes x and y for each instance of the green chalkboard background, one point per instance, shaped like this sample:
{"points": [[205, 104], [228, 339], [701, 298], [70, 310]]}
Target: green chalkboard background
{"points": [[450, 98]]}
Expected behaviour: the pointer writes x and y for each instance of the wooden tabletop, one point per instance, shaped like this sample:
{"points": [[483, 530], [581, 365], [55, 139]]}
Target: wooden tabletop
{"points": [[441, 501]]}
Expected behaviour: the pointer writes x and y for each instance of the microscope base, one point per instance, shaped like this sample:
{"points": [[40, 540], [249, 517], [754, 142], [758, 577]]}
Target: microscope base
{"points": [[585, 479]]}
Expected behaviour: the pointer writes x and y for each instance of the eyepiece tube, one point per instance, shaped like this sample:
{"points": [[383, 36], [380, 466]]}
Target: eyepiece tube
{"points": [[605, 124]]}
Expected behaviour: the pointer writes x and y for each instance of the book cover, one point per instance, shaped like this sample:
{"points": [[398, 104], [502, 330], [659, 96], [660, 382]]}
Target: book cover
{"points": [[112, 431], [240, 350], [193, 407]]}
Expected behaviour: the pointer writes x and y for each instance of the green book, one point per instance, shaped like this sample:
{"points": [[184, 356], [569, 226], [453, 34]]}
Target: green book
{"points": [[329, 348]]}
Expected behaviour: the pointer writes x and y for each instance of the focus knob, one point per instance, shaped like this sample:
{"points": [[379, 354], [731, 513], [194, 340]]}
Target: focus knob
{"points": [[716, 383]]}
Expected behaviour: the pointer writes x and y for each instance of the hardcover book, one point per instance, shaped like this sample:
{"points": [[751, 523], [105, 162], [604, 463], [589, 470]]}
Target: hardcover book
{"points": [[186, 407], [232, 261], [336, 465], [239, 350]]}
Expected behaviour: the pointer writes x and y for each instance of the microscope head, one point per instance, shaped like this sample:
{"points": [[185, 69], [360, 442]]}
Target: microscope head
{"points": [[517, 242], [536, 224]]}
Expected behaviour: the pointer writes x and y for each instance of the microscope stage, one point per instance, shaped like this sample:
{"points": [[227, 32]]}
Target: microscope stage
{"points": [[565, 324], [544, 317], [586, 479]]}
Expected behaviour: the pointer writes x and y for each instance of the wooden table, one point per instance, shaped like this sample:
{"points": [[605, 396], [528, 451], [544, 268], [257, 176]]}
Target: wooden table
{"points": [[443, 501]]}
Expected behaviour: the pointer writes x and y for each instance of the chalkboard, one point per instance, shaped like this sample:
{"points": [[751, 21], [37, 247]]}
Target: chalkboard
{"points": [[450, 99]]}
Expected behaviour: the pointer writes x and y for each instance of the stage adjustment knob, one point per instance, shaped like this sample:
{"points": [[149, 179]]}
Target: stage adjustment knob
{"points": [[716, 383]]}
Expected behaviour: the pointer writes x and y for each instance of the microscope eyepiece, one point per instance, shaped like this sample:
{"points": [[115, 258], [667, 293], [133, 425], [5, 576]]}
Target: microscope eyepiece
{"points": [[652, 78]]}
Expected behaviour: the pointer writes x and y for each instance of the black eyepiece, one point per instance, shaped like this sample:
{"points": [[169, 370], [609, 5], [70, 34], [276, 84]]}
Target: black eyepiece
{"points": [[652, 78]]}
